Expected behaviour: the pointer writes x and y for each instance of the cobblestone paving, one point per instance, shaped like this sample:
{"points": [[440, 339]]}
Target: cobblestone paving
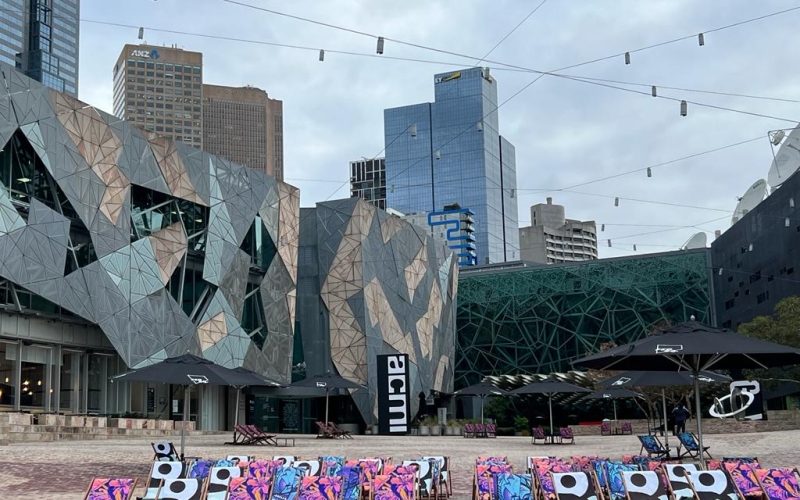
{"points": [[64, 469]]}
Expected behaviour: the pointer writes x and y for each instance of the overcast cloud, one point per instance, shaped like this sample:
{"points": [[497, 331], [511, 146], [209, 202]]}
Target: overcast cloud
{"points": [[565, 132]]}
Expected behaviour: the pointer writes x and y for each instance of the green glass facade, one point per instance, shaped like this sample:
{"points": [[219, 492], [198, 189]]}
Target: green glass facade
{"points": [[538, 319]]}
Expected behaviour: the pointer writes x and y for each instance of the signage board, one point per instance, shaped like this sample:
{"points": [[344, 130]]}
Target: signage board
{"points": [[394, 407]]}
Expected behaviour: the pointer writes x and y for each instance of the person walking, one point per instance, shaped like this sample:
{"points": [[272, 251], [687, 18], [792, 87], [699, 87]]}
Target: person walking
{"points": [[680, 415]]}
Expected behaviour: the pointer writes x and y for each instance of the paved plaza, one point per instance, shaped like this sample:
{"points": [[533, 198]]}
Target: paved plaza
{"points": [[63, 469]]}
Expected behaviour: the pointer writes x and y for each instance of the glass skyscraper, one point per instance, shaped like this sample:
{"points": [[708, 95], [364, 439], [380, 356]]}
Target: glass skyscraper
{"points": [[40, 38], [450, 152]]}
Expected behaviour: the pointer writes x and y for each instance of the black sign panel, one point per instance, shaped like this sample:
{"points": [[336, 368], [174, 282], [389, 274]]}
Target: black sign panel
{"points": [[151, 399], [394, 407]]}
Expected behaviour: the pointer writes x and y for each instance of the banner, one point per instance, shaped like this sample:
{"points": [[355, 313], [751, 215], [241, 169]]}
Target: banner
{"points": [[393, 394]]}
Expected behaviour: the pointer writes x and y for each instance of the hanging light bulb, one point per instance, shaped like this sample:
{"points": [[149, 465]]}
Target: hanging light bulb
{"points": [[379, 50], [321, 55], [438, 154], [750, 248], [413, 130], [791, 202], [602, 228], [684, 110], [701, 39], [778, 137], [787, 222], [634, 247], [616, 201], [141, 33], [627, 57], [720, 271], [654, 91], [649, 172], [39, 382], [609, 243]]}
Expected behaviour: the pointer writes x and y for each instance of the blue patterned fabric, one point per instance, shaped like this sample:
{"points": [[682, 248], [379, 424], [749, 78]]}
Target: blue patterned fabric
{"points": [[614, 482], [286, 483], [351, 482], [513, 486]]}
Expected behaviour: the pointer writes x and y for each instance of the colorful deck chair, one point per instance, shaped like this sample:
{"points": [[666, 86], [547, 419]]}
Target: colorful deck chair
{"points": [[110, 489], [352, 482], [491, 430], [531, 461], [691, 446], [598, 469], [712, 485], [566, 435], [249, 488], [626, 428], [369, 469], [427, 475], [483, 483], [744, 479], [537, 434], [224, 462], [200, 469], [310, 467], [644, 485], [779, 484], [677, 481], [543, 473], [469, 430], [160, 472], [744, 460], [443, 485], [331, 466], [262, 468], [491, 460], [513, 486], [573, 486], [239, 458], [584, 463], [400, 470], [181, 489], [480, 430], [652, 446], [286, 483], [614, 484], [320, 488], [393, 487], [285, 460], [605, 429], [218, 481], [164, 451]]}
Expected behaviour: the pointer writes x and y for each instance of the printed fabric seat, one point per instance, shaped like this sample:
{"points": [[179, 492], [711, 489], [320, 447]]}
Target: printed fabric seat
{"points": [[218, 481], [778, 484], [400, 470], [491, 460], [331, 466], [427, 475], [712, 485], [239, 458], [181, 489], [352, 482], [644, 485], [613, 472], [310, 467], [626, 428], [513, 486], [484, 483], [573, 486], [249, 488], [110, 489], [677, 480], [537, 434], [444, 474], [652, 446], [691, 446], [285, 460], [386, 487], [199, 469], [262, 468], [605, 429], [469, 430], [544, 471], [320, 488], [565, 433], [744, 479], [286, 483], [164, 451], [160, 472]]}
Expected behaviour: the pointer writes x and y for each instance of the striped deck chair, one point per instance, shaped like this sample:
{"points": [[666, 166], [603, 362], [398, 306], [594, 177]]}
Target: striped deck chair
{"points": [[643, 485], [320, 488], [110, 489], [574, 486]]}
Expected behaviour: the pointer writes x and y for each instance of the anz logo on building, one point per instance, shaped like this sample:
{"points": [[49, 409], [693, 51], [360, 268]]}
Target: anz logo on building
{"points": [[146, 54]]}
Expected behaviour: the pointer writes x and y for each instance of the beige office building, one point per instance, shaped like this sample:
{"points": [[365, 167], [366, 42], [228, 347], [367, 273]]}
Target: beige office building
{"points": [[552, 238], [244, 125], [159, 89]]}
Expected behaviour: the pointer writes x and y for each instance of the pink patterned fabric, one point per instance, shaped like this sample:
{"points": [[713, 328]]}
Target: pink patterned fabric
{"points": [[744, 478], [779, 484], [110, 489], [394, 487], [543, 472]]}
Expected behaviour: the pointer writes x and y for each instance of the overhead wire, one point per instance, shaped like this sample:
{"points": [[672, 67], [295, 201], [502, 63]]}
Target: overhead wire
{"points": [[510, 33]]}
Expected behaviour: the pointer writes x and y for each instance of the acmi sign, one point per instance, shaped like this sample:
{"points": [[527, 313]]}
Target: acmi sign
{"points": [[146, 54]]}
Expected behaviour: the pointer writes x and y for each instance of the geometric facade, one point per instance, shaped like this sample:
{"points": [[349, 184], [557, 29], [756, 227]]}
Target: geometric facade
{"points": [[166, 248], [373, 284], [537, 320]]}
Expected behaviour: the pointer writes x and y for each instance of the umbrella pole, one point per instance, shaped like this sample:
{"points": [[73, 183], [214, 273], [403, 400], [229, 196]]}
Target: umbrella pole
{"points": [[326, 407], [185, 418], [483, 402], [615, 410], [550, 403], [236, 411], [699, 413], [664, 409]]}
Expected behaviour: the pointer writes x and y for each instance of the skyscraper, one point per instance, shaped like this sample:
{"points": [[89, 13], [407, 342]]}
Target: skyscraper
{"points": [[450, 152], [40, 38], [368, 181], [552, 238]]}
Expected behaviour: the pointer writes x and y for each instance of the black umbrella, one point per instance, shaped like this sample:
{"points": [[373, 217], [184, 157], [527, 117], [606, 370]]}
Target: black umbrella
{"points": [[614, 394], [265, 382], [693, 347], [483, 390], [188, 370], [660, 379], [548, 387], [327, 381]]}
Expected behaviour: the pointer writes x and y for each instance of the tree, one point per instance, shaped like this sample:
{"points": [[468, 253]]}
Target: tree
{"points": [[782, 328]]}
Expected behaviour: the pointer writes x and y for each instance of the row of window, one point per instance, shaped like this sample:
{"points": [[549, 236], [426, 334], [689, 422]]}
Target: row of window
{"points": [[178, 68]]}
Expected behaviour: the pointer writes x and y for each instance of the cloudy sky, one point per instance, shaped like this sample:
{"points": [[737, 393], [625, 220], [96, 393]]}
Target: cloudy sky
{"points": [[566, 132]]}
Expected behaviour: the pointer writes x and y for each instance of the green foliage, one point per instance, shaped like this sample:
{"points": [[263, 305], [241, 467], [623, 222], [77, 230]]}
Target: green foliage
{"points": [[782, 328], [521, 424], [501, 410]]}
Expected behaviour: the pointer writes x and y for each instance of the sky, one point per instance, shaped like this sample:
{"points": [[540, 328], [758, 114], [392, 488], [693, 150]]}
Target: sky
{"points": [[565, 132]]}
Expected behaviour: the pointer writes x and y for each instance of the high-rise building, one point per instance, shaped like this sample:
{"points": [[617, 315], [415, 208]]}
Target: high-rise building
{"points": [[159, 89], [552, 238], [40, 38], [244, 125], [368, 181], [450, 152]]}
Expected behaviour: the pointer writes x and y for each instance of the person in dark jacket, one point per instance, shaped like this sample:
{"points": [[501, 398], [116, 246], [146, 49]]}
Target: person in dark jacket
{"points": [[680, 415]]}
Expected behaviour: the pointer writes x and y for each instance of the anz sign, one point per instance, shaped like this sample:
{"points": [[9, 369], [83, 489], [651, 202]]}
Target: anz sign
{"points": [[145, 54]]}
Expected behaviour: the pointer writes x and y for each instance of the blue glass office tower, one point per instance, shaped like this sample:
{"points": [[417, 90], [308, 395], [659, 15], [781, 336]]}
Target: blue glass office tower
{"points": [[40, 38], [450, 152]]}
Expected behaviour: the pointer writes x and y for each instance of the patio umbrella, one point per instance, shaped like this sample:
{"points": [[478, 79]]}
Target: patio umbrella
{"points": [[483, 390], [614, 394], [188, 370], [660, 379], [327, 381], [548, 387], [693, 347], [265, 382]]}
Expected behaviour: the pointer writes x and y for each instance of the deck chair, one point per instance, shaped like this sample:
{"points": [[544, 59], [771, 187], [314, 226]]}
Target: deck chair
{"points": [[583, 463], [491, 430], [691, 447], [531, 461], [614, 485], [744, 479], [248, 436], [483, 483], [331, 466], [427, 475], [249, 488], [239, 458], [385, 487], [573, 486], [744, 460], [218, 481], [480, 430], [164, 451], [285, 460], [490, 460], [286, 483], [779, 484], [400, 470], [262, 468], [626, 428], [469, 430], [160, 472], [513, 486], [565, 434], [323, 431], [320, 488], [543, 473], [643, 485], [199, 469], [443, 484], [261, 437], [712, 485], [339, 431], [605, 429], [652, 446], [309, 467], [181, 489], [677, 481], [110, 489], [352, 482]]}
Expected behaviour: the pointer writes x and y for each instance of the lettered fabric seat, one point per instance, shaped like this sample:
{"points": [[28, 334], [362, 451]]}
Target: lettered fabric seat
{"points": [[181, 489], [573, 486], [712, 485], [644, 485], [218, 481]]}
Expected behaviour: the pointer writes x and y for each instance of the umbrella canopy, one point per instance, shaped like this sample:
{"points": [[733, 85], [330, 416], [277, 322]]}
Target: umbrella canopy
{"points": [[693, 347], [548, 387], [483, 390], [327, 381], [614, 393], [659, 379]]}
